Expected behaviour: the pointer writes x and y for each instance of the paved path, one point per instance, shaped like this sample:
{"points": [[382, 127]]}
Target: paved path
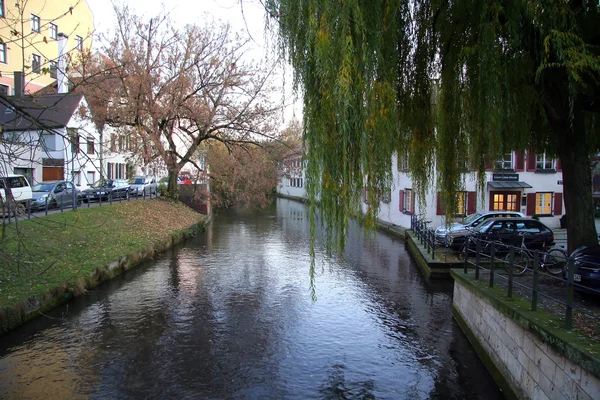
{"points": [[560, 235]]}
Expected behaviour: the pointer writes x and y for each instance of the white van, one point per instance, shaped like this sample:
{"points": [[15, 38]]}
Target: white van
{"points": [[19, 187]]}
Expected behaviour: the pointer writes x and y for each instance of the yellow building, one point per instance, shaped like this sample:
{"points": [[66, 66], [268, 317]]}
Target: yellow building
{"points": [[30, 32]]}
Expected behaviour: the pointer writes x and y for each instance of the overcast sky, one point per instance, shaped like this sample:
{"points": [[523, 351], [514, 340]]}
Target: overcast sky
{"points": [[196, 12]]}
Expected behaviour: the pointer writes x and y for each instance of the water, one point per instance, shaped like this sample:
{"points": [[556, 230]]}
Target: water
{"points": [[230, 315]]}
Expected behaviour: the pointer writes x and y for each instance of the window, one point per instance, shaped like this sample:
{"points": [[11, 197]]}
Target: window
{"points": [[2, 15], [407, 201], [386, 197], [53, 68], [53, 31], [461, 203], [504, 201], [35, 23], [73, 135], [113, 143], [78, 42], [506, 162], [3, 54], [4, 89], [542, 162], [543, 203], [26, 172], [90, 146], [403, 164], [36, 63], [91, 177]]}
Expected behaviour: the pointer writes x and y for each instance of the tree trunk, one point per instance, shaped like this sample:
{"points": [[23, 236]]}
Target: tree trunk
{"points": [[577, 183], [172, 188]]}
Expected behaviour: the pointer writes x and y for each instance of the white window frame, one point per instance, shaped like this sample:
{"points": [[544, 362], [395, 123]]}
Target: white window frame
{"points": [[3, 53], [408, 196], [544, 203], [542, 162], [506, 162], [79, 43], [35, 23], [53, 31], [35, 57]]}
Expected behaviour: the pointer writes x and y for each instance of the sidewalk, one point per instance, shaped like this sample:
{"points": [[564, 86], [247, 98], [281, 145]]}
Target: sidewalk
{"points": [[560, 235]]}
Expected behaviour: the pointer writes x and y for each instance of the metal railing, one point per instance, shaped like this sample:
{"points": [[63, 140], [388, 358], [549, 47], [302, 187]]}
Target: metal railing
{"points": [[12, 209], [426, 236], [551, 292]]}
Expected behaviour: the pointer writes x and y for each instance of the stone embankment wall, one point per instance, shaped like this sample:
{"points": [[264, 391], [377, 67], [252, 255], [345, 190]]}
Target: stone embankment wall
{"points": [[516, 354]]}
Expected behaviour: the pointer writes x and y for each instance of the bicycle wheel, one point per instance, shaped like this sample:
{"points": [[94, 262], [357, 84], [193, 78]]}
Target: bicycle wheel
{"points": [[555, 261], [520, 265]]}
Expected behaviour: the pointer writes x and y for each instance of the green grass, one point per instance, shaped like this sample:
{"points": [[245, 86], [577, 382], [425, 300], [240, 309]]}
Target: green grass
{"points": [[66, 252]]}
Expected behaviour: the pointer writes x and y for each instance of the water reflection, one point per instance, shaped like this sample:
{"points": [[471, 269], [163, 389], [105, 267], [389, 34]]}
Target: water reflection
{"points": [[229, 315]]}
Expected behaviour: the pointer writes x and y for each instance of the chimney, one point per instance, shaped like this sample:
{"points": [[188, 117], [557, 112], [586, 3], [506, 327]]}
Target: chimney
{"points": [[61, 73], [19, 83]]}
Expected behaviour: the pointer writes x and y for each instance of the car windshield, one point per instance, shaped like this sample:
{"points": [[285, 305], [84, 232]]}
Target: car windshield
{"points": [[44, 187], [471, 218], [102, 183], [138, 181], [487, 223]]}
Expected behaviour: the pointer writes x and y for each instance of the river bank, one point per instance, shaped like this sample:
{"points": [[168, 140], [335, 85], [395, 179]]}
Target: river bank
{"points": [[47, 261]]}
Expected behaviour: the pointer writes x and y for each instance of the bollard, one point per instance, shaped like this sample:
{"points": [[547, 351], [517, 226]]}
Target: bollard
{"points": [[569, 310], [492, 262], [536, 278]]}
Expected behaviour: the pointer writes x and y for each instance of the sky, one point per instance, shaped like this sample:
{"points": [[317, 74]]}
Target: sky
{"points": [[197, 12]]}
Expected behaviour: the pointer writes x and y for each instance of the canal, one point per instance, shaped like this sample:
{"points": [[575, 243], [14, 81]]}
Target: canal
{"points": [[230, 314]]}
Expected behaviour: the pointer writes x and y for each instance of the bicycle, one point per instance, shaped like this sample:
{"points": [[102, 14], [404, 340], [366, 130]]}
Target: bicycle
{"points": [[470, 245], [550, 260]]}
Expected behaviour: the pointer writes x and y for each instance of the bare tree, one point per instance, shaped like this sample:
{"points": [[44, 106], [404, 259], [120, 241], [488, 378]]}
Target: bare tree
{"points": [[175, 88]]}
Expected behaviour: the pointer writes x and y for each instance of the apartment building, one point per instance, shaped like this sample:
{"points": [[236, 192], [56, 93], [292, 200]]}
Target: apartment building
{"points": [[30, 31]]}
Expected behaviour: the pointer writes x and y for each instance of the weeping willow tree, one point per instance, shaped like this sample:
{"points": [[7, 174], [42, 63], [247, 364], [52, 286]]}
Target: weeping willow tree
{"points": [[450, 84]]}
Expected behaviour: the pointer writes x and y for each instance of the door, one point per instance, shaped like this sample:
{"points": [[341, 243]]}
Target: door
{"points": [[504, 201], [68, 195], [59, 195]]}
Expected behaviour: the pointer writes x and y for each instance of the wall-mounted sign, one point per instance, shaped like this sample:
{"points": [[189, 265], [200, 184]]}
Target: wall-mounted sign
{"points": [[559, 182], [505, 177]]}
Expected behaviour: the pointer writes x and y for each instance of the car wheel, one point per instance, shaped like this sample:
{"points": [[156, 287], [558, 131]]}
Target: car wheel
{"points": [[52, 204]]}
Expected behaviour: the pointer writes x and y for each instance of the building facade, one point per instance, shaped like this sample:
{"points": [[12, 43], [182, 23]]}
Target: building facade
{"points": [[30, 32], [521, 181]]}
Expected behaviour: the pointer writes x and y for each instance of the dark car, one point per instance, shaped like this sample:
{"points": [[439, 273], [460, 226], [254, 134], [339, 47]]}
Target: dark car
{"points": [[54, 194], [106, 189], [511, 231], [587, 269], [446, 234]]}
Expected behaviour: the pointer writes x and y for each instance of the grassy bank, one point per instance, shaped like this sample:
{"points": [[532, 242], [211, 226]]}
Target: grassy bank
{"points": [[46, 260]]}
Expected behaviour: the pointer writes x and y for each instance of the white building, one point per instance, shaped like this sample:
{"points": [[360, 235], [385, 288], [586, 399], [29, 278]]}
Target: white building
{"points": [[292, 175], [526, 182]]}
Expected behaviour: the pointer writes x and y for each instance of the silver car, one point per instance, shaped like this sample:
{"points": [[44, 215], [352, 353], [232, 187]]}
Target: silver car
{"points": [[143, 185], [445, 234], [54, 194]]}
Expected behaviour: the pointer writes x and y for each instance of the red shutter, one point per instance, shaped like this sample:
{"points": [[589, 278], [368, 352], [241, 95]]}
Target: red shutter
{"points": [[491, 201], [412, 202], [519, 161], [365, 195], [557, 203], [530, 160], [558, 165], [438, 208], [471, 203], [530, 203], [489, 165], [401, 206]]}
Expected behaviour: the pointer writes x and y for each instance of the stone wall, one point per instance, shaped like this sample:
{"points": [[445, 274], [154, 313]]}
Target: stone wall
{"points": [[530, 367]]}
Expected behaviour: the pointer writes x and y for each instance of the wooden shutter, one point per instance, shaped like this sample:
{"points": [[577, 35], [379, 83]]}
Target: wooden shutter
{"points": [[471, 202], [530, 160], [558, 166], [401, 206], [491, 205], [412, 202], [365, 195], [557, 203], [439, 210], [519, 161], [530, 203]]}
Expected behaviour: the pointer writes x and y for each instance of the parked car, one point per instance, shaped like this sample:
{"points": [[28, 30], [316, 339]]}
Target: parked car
{"points": [[510, 230], [446, 235], [53, 194], [184, 180], [143, 185], [104, 189], [587, 269], [21, 192]]}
